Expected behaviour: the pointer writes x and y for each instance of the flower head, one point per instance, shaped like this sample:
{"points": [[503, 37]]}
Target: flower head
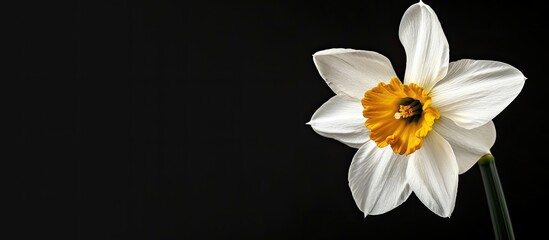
{"points": [[417, 135]]}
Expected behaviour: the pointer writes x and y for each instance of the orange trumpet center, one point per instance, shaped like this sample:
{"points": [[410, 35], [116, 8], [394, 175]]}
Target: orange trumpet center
{"points": [[398, 115]]}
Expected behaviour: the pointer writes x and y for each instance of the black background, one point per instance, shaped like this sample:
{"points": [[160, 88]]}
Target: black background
{"points": [[164, 120]]}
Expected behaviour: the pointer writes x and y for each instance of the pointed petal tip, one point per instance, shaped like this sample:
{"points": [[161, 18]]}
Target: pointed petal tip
{"points": [[420, 3], [447, 213], [444, 214]]}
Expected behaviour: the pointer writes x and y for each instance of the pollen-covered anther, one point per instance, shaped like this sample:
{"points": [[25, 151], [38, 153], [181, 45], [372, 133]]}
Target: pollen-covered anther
{"points": [[406, 111]]}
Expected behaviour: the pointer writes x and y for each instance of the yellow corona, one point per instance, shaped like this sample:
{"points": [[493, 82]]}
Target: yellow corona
{"points": [[398, 115]]}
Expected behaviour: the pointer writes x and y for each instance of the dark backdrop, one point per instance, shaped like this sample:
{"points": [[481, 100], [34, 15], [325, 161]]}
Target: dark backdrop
{"points": [[164, 120]]}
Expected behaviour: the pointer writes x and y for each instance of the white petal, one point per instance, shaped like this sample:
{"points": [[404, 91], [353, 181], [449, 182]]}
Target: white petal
{"points": [[353, 72], [468, 145], [377, 178], [341, 118], [433, 174], [427, 51], [474, 92]]}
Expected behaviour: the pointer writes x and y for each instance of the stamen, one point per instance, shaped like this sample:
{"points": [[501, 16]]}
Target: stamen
{"points": [[409, 110]]}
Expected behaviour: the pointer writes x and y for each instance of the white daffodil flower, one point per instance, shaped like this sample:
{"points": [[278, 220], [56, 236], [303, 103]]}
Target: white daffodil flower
{"points": [[417, 135]]}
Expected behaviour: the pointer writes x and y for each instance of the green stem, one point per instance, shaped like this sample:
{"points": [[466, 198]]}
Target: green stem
{"points": [[501, 220]]}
